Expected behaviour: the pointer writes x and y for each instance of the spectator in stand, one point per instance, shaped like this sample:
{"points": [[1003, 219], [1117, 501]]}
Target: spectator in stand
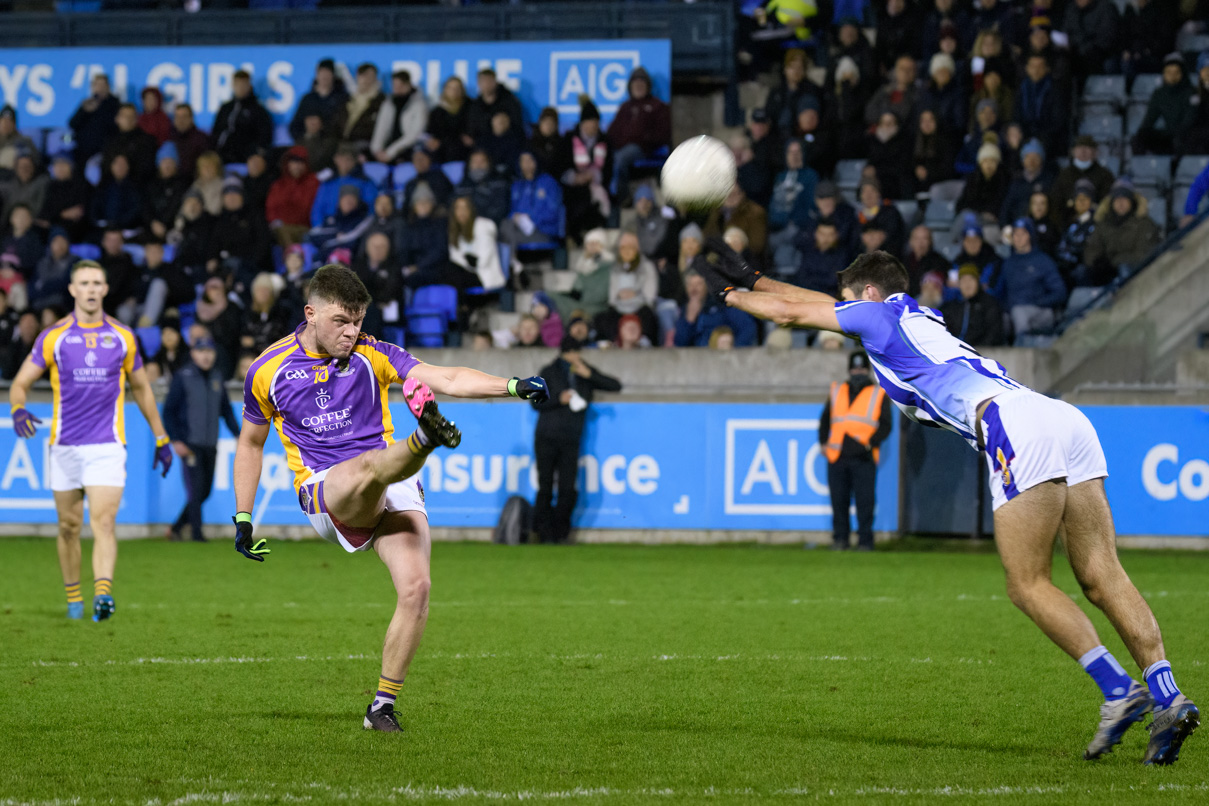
{"points": [[361, 111], [12, 142], [931, 154], [173, 353], [48, 285], [424, 252], [1196, 138], [945, 16], [1125, 234], [224, 321], [1148, 27], [328, 99], [291, 198], [931, 290], [448, 136], [152, 119], [1029, 286], [994, 15], [974, 249], [25, 334], [767, 151], [546, 143], [22, 240], [898, 33], [493, 97], [1041, 110], [830, 205], [593, 271], [670, 291], [319, 143], [536, 204], [386, 221], [791, 206], [851, 42], [739, 211], [755, 178], [379, 270], [431, 175], [875, 207], [993, 86], [122, 276], [976, 317], [990, 56], [550, 324], [818, 142], [94, 121], [1093, 28], [8, 331], [642, 126], [848, 109], [67, 200], [655, 228], [503, 145], [348, 172], [985, 131], [27, 187], [118, 201], [402, 121], [486, 188], [164, 285], [1083, 224], [1083, 165], [256, 182], [1170, 113], [630, 335], [191, 235], [986, 189], [1040, 43], [921, 258], [133, 143], [703, 313], [1196, 195], [240, 238], [589, 166], [1046, 234], [782, 105], [899, 94], [944, 96], [528, 332], [191, 142], [12, 282], [824, 256], [208, 181], [266, 320], [164, 193], [633, 290], [474, 245], [1032, 178], [242, 125], [889, 152], [344, 228]]}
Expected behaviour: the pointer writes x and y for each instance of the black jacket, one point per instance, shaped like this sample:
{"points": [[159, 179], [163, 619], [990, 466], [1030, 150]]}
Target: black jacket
{"points": [[851, 449], [479, 114], [137, 147], [195, 403], [555, 420], [978, 321], [241, 127]]}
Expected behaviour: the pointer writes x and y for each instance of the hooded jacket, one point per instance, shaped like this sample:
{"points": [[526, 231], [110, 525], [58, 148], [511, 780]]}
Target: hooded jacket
{"points": [[1119, 240], [241, 127], [290, 200], [645, 122], [156, 123], [327, 198]]}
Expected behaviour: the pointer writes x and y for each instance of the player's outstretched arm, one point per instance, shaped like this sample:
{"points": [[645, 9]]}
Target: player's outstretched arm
{"points": [[730, 266], [467, 382], [819, 315], [793, 293], [24, 423], [144, 397]]}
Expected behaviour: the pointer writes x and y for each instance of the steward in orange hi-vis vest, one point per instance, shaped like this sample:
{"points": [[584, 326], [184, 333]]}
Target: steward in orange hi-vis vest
{"points": [[857, 418]]}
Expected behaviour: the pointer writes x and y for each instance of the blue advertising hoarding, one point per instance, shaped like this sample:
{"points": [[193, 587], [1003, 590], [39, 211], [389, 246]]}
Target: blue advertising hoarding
{"points": [[46, 85]]}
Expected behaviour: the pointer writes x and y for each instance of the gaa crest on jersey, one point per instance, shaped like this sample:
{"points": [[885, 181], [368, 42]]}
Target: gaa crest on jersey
{"points": [[107, 341], [90, 358], [322, 398]]}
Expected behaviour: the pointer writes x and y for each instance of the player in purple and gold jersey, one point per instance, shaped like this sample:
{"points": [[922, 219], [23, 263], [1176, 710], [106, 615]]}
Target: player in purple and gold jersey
{"points": [[325, 389], [90, 356]]}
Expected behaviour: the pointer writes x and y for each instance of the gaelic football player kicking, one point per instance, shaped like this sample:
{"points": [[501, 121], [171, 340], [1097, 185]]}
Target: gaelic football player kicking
{"points": [[325, 389], [1047, 476], [90, 357]]}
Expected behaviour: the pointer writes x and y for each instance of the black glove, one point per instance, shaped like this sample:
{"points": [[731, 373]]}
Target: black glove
{"points": [[253, 550], [534, 389], [730, 264], [718, 285]]}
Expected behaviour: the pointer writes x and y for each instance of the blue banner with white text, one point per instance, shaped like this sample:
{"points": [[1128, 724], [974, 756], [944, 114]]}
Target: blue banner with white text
{"points": [[46, 85]]}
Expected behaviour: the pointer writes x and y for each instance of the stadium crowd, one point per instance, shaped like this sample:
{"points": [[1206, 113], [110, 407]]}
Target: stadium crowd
{"points": [[966, 138]]}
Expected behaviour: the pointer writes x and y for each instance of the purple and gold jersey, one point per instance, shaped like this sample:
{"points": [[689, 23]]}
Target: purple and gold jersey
{"points": [[325, 414], [89, 365]]}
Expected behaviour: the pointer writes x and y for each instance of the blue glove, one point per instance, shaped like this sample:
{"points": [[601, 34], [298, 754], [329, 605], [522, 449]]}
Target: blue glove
{"points": [[24, 422], [163, 455], [253, 550], [534, 389]]}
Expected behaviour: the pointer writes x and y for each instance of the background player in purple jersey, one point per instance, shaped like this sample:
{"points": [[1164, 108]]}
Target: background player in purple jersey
{"points": [[325, 389], [1047, 473], [90, 357]]}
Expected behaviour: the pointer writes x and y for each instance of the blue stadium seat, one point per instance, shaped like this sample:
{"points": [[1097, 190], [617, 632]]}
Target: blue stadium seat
{"points": [[281, 132], [1157, 210], [1150, 170], [1133, 118], [1144, 86], [1110, 161], [149, 337], [77, 6], [394, 335], [136, 252], [1104, 128], [655, 161], [454, 171], [169, 252], [377, 172], [848, 174], [908, 209], [86, 251], [433, 309], [403, 174], [558, 247], [92, 170], [940, 214], [237, 168], [188, 313], [1190, 168], [1107, 91], [950, 251], [59, 141]]}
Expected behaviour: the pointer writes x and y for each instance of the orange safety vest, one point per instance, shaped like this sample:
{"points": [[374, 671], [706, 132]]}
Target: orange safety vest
{"points": [[857, 419]]}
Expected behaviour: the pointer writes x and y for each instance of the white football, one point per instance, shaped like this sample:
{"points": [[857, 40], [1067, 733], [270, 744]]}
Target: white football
{"points": [[698, 174]]}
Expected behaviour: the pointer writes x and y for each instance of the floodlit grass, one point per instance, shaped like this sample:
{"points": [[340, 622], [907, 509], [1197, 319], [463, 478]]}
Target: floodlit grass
{"points": [[601, 674]]}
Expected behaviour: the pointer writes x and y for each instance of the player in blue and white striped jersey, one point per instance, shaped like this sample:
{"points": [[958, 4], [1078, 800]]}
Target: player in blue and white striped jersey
{"points": [[1047, 474]]}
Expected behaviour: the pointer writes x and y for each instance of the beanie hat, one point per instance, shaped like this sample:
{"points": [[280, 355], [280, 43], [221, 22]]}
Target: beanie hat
{"points": [[969, 270], [422, 192], [692, 231], [1086, 188], [167, 151], [1033, 147], [989, 151], [941, 61]]}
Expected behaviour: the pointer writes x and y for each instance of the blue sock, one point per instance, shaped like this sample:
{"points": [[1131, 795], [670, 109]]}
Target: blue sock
{"points": [[1108, 674], [1162, 684]]}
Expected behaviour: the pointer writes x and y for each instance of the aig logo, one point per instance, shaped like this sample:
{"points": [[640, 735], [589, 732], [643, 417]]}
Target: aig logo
{"points": [[296, 375], [600, 74], [1166, 483]]}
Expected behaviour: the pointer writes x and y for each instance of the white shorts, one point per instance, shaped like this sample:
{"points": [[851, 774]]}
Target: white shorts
{"points": [[1031, 439], [74, 467], [401, 496]]}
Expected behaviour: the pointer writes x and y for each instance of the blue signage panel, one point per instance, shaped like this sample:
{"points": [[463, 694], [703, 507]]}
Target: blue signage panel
{"points": [[46, 85]]}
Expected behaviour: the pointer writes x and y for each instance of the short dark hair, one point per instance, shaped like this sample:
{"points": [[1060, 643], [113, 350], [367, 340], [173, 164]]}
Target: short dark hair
{"points": [[366, 67], [183, 105], [129, 106], [879, 269], [88, 264], [401, 75], [338, 284], [244, 74]]}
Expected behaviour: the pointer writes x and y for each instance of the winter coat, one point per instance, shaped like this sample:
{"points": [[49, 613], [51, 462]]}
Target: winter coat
{"points": [[425, 243], [1015, 202], [189, 145], [48, 286], [117, 204], [384, 281], [1043, 113], [406, 116], [341, 229], [1120, 241], [1074, 242], [641, 278], [240, 235], [949, 104], [32, 194], [163, 199], [479, 114], [27, 248], [448, 128], [1171, 109], [978, 321], [1093, 32], [646, 123], [241, 127], [1030, 279], [819, 150], [918, 267], [194, 245], [892, 161], [548, 151], [889, 98], [62, 195], [327, 198], [891, 221], [137, 147], [792, 198], [157, 124], [361, 114], [490, 195], [1063, 190], [482, 255], [747, 216], [541, 199], [92, 129], [934, 152], [782, 104], [983, 195], [330, 108], [818, 270], [713, 315], [437, 182], [291, 200]]}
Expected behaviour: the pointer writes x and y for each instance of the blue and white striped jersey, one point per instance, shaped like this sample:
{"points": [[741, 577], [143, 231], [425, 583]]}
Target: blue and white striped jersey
{"points": [[934, 377]]}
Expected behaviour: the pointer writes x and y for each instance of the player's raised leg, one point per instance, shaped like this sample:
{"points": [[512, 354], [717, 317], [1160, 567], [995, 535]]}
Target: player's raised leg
{"points": [[404, 545], [1091, 548], [103, 505], [69, 504]]}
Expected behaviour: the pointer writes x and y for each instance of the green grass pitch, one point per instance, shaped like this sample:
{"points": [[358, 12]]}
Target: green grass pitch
{"points": [[595, 674]]}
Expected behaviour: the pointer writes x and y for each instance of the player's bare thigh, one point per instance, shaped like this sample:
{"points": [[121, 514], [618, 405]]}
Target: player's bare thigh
{"points": [[404, 545], [69, 505], [103, 504], [352, 495], [1026, 528], [1090, 536]]}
